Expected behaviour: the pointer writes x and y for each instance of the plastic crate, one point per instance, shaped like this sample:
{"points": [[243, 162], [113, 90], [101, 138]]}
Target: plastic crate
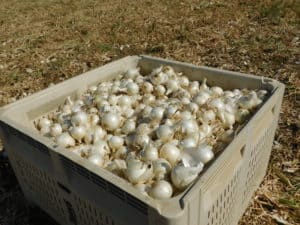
{"points": [[75, 192]]}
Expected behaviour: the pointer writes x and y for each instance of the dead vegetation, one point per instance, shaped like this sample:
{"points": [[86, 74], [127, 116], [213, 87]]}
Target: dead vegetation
{"points": [[44, 42]]}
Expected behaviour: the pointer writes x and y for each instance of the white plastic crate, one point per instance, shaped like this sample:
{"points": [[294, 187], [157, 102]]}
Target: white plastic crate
{"points": [[75, 192]]}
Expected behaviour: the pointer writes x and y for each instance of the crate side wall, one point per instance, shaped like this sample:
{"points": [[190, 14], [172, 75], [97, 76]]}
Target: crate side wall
{"points": [[257, 155]]}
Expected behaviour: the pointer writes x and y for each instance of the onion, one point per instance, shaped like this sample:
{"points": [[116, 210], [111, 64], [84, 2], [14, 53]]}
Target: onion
{"points": [[182, 176], [157, 113], [161, 190], [164, 133], [79, 118], [149, 153], [116, 142], [137, 171], [96, 159], [170, 152], [78, 133], [111, 121], [65, 140], [44, 122], [55, 129]]}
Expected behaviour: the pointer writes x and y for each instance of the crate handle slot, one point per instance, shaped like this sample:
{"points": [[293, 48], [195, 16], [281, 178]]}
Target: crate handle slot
{"points": [[242, 151], [64, 188]]}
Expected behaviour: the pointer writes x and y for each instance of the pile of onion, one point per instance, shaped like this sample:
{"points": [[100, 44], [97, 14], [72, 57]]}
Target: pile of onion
{"points": [[157, 131]]}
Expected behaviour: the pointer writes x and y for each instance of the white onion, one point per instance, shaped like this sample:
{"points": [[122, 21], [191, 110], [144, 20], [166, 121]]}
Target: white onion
{"points": [[129, 126], [185, 100], [183, 81], [159, 78], [66, 109], [170, 111], [227, 136], [94, 120], [55, 129], [188, 143], [132, 88], [261, 94], [143, 128], [132, 73], [124, 101], [216, 91], [137, 171], [45, 130], [164, 133], [111, 121], [208, 116], [172, 86], [229, 94], [141, 140], [201, 98], [203, 86], [193, 107], [194, 87], [147, 111], [116, 142], [241, 115], [100, 147], [202, 153], [147, 87], [121, 153], [78, 133], [96, 159], [149, 153], [65, 140], [227, 119], [217, 103], [79, 118], [170, 152], [44, 122], [161, 168], [160, 90], [116, 166], [148, 99], [161, 190], [157, 113], [99, 133], [128, 112], [182, 176], [188, 126]]}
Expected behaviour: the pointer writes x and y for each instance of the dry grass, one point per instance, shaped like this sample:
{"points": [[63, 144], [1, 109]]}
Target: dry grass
{"points": [[44, 42]]}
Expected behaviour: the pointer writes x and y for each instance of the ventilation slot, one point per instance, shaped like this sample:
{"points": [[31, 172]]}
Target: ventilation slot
{"points": [[257, 161], [40, 186], [67, 163], [116, 191], [64, 188], [82, 171], [88, 213], [32, 142], [72, 215], [219, 213], [142, 207], [98, 181]]}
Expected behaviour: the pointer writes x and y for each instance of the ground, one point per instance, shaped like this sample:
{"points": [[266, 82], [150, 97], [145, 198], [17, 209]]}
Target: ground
{"points": [[44, 42]]}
